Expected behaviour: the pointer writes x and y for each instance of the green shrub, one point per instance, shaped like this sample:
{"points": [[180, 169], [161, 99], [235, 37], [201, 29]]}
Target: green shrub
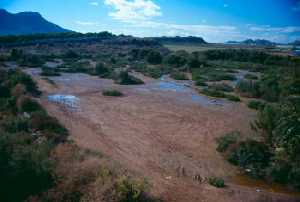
{"points": [[4, 91], [255, 104], [216, 182], [26, 104], [31, 61], [154, 57], [129, 190], [102, 71], [233, 98], [48, 71], [25, 169], [178, 76], [213, 93], [200, 83], [48, 125], [18, 77], [251, 155], [222, 87], [228, 139], [124, 78], [251, 77], [112, 93], [248, 88]]}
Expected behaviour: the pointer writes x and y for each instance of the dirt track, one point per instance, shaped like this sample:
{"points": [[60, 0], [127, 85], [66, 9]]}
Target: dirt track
{"points": [[157, 133]]}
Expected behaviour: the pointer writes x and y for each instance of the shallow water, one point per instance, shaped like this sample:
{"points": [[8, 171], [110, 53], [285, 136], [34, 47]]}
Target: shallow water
{"points": [[70, 101], [184, 90], [261, 185]]}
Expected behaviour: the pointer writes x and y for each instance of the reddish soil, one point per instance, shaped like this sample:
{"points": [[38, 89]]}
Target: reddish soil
{"points": [[159, 135]]}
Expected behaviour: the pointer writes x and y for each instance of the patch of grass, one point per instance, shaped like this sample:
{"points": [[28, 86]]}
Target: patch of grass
{"points": [[112, 93], [228, 139], [216, 182]]}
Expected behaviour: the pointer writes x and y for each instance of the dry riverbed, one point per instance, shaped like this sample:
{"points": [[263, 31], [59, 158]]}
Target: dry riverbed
{"points": [[163, 131]]}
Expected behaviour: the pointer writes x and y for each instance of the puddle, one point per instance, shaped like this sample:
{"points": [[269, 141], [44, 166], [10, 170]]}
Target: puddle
{"points": [[184, 90], [261, 185], [70, 101]]}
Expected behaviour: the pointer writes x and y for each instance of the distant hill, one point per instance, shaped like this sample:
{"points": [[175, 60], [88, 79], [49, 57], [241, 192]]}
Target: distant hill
{"points": [[26, 23], [296, 43], [256, 42], [179, 40]]}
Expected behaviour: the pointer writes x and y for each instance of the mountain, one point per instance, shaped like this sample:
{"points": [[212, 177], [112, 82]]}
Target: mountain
{"points": [[179, 40], [26, 23], [256, 42], [296, 43]]}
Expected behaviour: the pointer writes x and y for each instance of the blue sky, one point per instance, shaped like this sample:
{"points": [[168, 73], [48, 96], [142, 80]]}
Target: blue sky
{"points": [[215, 20]]}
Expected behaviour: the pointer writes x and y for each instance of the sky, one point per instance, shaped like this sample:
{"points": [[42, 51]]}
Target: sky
{"points": [[214, 20]]}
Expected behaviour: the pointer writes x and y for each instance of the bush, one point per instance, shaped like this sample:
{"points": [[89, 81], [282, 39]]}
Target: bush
{"points": [[248, 88], [4, 91], [50, 126], [222, 87], [123, 78], [24, 168], [129, 190], [227, 140], [251, 155], [233, 98], [179, 76], [113, 93], [200, 83], [255, 104], [18, 77], [251, 77], [26, 104], [48, 71], [213, 93], [154, 57], [216, 182], [102, 71]]}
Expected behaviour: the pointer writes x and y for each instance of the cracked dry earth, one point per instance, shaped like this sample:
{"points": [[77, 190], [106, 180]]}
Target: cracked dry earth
{"points": [[161, 135]]}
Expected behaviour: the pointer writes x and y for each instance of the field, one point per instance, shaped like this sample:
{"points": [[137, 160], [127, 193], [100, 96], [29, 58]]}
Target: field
{"points": [[156, 113]]}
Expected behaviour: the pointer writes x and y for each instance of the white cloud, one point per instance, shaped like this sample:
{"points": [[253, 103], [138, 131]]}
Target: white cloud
{"points": [[94, 3], [135, 10], [137, 17]]}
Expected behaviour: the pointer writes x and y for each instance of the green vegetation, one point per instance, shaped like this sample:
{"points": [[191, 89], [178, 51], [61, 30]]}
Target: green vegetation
{"points": [[124, 78], [48, 71], [248, 88], [228, 139], [28, 134], [222, 87], [216, 182], [255, 104], [112, 93], [178, 76], [251, 77]]}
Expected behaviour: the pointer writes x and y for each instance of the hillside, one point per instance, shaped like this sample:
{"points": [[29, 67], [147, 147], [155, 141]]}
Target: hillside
{"points": [[26, 23]]}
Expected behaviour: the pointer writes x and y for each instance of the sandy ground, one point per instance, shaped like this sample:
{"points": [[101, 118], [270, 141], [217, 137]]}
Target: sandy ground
{"points": [[158, 131]]}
